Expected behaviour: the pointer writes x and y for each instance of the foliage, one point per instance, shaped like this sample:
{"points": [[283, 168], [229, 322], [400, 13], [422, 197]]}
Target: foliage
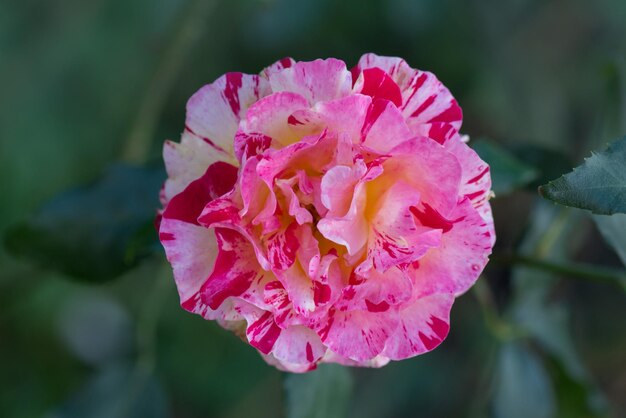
{"points": [[598, 185], [94, 232]]}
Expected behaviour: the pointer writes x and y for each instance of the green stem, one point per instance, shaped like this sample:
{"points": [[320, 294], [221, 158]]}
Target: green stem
{"points": [[189, 29], [499, 328], [582, 271]]}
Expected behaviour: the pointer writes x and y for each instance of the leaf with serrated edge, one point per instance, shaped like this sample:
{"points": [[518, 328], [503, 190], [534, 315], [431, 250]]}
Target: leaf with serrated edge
{"points": [[598, 185]]}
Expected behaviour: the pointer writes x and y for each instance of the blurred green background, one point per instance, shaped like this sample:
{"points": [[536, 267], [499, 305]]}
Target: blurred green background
{"points": [[79, 78]]}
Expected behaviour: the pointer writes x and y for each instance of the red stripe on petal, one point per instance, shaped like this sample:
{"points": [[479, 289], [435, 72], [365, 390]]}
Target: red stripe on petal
{"points": [[377, 107], [429, 342], [250, 144], [376, 307], [441, 132], [440, 327], [431, 218], [293, 121], [451, 114], [166, 236], [321, 293], [479, 176], [263, 333], [472, 196], [427, 103], [231, 91], [235, 268], [187, 206], [378, 85]]}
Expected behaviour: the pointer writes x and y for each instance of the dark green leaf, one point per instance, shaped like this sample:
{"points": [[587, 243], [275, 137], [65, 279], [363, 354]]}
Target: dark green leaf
{"points": [[94, 232], [613, 229], [507, 172], [522, 386], [598, 185], [323, 393]]}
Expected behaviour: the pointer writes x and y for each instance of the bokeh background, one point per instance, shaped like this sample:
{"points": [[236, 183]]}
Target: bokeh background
{"points": [[544, 80]]}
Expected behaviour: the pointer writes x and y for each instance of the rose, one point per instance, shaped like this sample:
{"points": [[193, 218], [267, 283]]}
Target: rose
{"points": [[326, 215]]}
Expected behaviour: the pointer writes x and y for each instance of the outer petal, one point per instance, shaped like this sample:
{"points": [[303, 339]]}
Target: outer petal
{"points": [[455, 265], [187, 161], [425, 99], [399, 71], [317, 81], [298, 346], [476, 179], [277, 67], [423, 325], [357, 335], [262, 331], [191, 250], [189, 247], [376, 362], [236, 269], [376, 83], [215, 110]]}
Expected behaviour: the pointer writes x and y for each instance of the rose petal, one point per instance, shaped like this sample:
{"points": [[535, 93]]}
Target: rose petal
{"points": [[214, 111], [318, 80], [423, 325]]}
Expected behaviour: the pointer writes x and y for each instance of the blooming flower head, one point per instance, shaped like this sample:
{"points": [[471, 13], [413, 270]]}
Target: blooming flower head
{"points": [[326, 215]]}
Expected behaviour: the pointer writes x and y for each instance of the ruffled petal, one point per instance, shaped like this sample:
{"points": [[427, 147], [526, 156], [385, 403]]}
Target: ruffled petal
{"points": [[278, 66], [429, 168], [351, 229], [357, 335], [188, 160], [425, 100], [317, 81], [214, 111], [376, 83], [455, 265], [269, 117], [373, 291], [236, 269], [423, 325], [298, 349], [395, 238], [476, 179], [190, 248]]}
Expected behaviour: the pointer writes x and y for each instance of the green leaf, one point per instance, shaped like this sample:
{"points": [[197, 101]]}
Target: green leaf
{"points": [[522, 386], [613, 229], [323, 393], [508, 173], [598, 185], [94, 232]]}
